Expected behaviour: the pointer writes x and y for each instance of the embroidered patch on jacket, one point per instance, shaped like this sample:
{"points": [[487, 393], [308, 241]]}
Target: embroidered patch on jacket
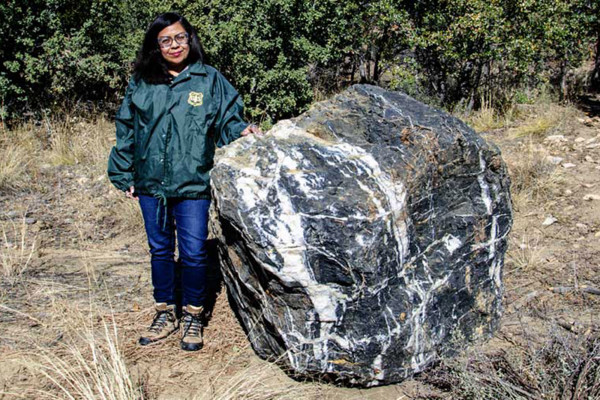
{"points": [[195, 98]]}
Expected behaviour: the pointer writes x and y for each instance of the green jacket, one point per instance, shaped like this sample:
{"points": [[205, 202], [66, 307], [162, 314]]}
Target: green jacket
{"points": [[167, 134]]}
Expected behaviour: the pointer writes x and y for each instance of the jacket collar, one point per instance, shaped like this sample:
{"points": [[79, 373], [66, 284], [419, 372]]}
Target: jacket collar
{"points": [[197, 68]]}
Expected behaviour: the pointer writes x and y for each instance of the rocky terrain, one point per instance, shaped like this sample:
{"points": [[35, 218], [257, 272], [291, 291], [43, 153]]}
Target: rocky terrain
{"points": [[75, 291]]}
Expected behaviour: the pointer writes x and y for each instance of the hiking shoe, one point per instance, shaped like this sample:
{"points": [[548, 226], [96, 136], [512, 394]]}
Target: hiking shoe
{"points": [[163, 324], [192, 327]]}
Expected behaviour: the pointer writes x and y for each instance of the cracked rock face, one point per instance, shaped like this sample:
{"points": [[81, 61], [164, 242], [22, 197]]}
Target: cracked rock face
{"points": [[364, 239]]}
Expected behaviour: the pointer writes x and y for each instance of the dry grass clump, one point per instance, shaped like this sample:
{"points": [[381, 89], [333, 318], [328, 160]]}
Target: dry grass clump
{"points": [[18, 148], [32, 152], [89, 365], [13, 166], [76, 141], [486, 119], [18, 248], [536, 126], [73, 349], [88, 143], [523, 120], [79, 352], [525, 253], [259, 380], [541, 119], [566, 366], [533, 177], [66, 140]]}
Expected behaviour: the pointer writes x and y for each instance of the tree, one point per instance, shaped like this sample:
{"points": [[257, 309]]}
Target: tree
{"points": [[284, 54]]}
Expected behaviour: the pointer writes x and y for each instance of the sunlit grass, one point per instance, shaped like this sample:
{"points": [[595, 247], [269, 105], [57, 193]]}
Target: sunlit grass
{"points": [[541, 120], [18, 248], [533, 177], [76, 141], [486, 119], [90, 364]]}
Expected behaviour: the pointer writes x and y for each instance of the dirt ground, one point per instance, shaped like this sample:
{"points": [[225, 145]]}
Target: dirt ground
{"points": [[79, 276]]}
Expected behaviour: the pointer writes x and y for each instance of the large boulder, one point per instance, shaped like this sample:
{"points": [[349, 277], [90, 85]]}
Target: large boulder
{"points": [[364, 239]]}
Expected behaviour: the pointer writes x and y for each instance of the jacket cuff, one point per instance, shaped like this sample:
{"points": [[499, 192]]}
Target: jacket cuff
{"points": [[121, 184], [235, 130]]}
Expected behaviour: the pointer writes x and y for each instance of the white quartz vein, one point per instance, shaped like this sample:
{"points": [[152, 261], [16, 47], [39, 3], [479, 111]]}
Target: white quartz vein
{"points": [[398, 110], [452, 243], [418, 342], [485, 189]]}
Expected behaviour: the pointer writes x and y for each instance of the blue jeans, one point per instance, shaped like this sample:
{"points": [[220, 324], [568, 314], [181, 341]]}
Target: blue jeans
{"points": [[190, 218]]}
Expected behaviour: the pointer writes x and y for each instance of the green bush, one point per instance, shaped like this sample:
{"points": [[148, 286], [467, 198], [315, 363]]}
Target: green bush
{"points": [[284, 54], [474, 49]]}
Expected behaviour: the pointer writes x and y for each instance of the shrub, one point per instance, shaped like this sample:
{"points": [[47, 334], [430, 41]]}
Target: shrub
{"points": [[284, 54]]}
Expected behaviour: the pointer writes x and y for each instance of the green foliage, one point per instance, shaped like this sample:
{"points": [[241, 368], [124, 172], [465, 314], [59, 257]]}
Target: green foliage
{"points": [[60, 50], [251, 43], [474, 49], [280, 54], [284, 54]]}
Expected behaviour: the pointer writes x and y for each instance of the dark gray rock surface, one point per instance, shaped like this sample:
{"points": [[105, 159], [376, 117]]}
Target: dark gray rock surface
{"points": [[364, 239]]}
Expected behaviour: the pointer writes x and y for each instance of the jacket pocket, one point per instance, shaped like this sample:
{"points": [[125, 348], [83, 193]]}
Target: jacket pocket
{"points": [[198, 118]]}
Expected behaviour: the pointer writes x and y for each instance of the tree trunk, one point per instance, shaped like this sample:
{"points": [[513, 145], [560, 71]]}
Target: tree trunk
{"points": [[595, 83], [475, 87], [563, 80], [362, 68], [2, 111], [375, 58]]}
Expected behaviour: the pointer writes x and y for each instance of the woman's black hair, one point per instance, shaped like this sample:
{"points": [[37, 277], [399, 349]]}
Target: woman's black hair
{"points": [[150, 64]]}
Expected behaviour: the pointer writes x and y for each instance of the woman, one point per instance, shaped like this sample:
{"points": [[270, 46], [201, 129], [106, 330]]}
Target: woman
{"points": [[175, 112]]}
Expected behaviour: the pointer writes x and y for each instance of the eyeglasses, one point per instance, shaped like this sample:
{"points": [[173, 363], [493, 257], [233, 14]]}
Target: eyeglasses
{"points": [[166, 41]]}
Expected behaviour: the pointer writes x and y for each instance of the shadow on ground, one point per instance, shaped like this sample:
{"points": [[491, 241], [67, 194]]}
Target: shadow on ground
{"points": [[590, 104]]}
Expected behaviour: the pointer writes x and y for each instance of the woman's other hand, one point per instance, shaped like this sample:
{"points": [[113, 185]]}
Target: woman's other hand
{"points": [[130, 193], [252, 130]]}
